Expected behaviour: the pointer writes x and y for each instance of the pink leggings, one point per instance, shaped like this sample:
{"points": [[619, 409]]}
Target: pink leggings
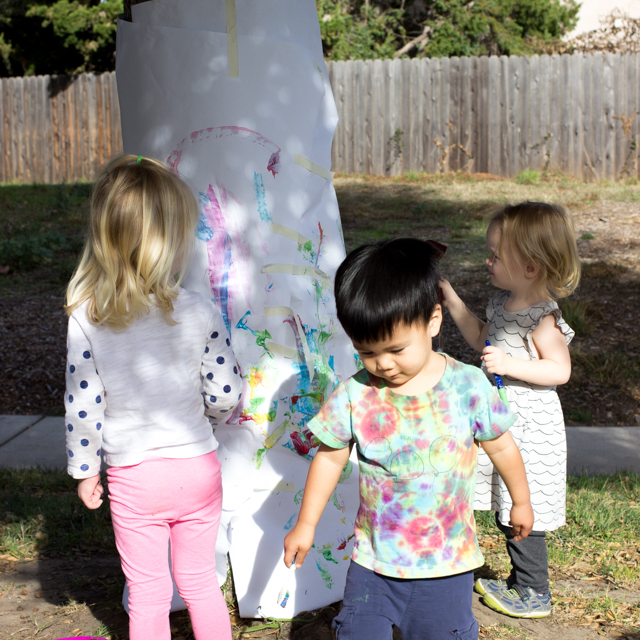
{"points": [[177, 499]]}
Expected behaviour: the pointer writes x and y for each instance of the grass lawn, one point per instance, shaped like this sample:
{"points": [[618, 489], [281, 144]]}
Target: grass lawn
{"points": [[594, 559]]}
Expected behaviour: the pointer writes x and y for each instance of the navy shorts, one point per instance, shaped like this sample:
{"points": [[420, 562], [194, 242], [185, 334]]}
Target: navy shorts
{"points": [[423, 609]]}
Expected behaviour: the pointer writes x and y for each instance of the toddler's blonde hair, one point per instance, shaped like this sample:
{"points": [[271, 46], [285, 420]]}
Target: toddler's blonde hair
{"points": [[141, 229], [543, 234]]}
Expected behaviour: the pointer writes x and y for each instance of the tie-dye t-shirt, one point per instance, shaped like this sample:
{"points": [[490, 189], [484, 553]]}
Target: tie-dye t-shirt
{"points": [[417, 461]]}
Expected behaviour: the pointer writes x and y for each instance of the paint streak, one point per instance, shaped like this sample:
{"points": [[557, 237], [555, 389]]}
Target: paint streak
{"points": [[304, 442], [291, 522], [261, 197], [318, 396], [298, 497], [258, 458], [273, 164], [328, 556], [319, 244], [326, 576], [260, 336], [228, 254], [338, 502], [344, 543]]}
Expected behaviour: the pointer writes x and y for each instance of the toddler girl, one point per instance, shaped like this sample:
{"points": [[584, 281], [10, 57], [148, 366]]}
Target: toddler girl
{"points": [[141, 353], [533, 259]]}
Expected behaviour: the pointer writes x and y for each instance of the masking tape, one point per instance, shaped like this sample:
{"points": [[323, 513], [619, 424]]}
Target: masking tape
{"points": [[232, 39], [289, 487], [293, 270], [278, 432], [281, 350], [287, 232], [312, 166]]}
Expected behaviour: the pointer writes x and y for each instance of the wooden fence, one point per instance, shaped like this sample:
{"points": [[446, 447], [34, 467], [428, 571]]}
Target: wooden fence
{"points": [[501, 115]]}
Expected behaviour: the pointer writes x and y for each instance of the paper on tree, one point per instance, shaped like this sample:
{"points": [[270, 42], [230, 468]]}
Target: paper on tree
{"points": [[256, 149]]}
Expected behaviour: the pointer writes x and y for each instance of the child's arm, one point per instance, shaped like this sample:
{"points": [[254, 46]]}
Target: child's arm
{"points": [[473, 330], [221, 380], [553, 366], [324, 473], [505, 456]]}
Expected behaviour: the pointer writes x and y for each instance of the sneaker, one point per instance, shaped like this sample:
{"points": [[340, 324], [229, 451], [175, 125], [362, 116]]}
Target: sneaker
{"points": [[519, 602], [484, 585]]}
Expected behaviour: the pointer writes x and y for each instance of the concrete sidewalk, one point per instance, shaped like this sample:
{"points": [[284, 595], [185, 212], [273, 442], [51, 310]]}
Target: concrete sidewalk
{"points": [[30, 441]]}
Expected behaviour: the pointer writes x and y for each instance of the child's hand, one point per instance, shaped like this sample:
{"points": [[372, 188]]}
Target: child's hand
{"points": [[521, 521], [449, 296], [495, 360], [297, 544], [90, 492]]}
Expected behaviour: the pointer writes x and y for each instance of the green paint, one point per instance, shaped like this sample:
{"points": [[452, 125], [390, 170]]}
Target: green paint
{"points": [[262, 337], [323, 336], [259, 457], [298, 497], [346, 472], [254, 404], [271, 414], [326, 576], [306, 250], [326, 554]]}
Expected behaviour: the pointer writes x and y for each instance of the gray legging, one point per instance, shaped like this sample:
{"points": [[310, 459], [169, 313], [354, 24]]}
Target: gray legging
{"points": [[529, 560]]}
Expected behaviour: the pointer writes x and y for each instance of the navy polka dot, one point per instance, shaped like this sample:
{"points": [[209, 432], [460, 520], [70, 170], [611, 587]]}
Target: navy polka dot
{"points": [[70, 398], [84, 467], [70, 453], [70, 427], [213, 399], [71, 368], [209, 376], [228, 343], [214, 335], [235, 369], [83, 414], [239, 396], [206, 350], [223, 411], [84, 384], [86, 355], [220, 360], [226, 388], [84, 442], [98, 452], [98, 399], [99, 426]]}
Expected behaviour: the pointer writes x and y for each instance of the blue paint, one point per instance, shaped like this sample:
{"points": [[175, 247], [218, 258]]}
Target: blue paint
{"points": [[242, 323], [291, 522], [261, 197], [203, 230]]}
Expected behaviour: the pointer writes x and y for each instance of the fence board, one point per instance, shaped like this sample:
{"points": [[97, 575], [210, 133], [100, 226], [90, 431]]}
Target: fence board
{"points": [[500, 110]]}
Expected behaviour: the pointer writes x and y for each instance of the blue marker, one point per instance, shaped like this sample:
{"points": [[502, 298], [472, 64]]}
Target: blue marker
{"points": [[499, 384]]}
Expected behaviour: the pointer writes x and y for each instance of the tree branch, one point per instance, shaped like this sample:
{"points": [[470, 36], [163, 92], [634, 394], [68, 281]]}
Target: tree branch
{"points": [[423, 37]]}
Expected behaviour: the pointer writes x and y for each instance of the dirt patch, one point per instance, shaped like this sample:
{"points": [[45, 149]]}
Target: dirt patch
{"points": [[47, 599]]}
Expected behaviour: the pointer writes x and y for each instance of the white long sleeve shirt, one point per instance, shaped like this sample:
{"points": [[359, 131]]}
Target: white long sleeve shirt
{"points": [[138, 393]]}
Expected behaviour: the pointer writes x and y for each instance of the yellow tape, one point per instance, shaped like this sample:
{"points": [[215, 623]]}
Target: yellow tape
{"points": [[293, 270], [232, 39], [289, 487], [281, 350], [312, 166], [287, 232], [288, 311]]}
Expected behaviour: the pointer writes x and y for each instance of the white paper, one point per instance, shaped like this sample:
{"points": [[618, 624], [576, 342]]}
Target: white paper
{"points": [[235, 141]]}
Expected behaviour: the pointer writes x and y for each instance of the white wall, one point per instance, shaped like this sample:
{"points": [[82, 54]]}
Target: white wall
{"points": [[592, 10]]}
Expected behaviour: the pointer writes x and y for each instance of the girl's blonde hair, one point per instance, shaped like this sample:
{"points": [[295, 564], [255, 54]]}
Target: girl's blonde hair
{"points": [[543, 234], [141, 229]]}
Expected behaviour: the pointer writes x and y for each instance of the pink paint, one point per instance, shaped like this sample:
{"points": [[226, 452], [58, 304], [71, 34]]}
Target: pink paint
{"points": [[273, 164]]}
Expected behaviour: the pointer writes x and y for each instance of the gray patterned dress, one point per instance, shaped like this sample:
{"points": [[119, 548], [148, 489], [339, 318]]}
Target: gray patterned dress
{"points": [[539, 432]]}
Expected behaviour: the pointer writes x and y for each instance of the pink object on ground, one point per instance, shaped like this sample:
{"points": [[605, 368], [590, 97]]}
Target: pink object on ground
{"points": [[180, 500]]}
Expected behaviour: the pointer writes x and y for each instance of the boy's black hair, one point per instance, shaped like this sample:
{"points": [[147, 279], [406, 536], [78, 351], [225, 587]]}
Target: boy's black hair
{"points": [[379, 286]]}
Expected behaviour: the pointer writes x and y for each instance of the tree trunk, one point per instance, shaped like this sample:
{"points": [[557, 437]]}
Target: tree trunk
{"points": [[127, 8]]}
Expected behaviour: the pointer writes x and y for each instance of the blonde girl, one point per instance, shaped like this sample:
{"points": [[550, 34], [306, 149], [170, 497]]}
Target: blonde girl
{"points": [[142, 355], [533, 260]]}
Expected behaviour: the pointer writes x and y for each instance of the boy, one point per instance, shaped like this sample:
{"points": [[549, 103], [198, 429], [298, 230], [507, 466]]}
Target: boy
{"points": [[415, 416]]}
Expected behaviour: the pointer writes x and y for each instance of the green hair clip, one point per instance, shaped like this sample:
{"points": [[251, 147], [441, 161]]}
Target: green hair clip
{"points": [[139, 159]]}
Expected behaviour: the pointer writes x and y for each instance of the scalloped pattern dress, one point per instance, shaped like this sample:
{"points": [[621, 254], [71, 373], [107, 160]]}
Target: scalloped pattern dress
{"points": [[539, 431]]}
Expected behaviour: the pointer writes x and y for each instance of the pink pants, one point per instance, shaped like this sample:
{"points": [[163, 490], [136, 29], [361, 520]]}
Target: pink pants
{"points": [[157, 501]]}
